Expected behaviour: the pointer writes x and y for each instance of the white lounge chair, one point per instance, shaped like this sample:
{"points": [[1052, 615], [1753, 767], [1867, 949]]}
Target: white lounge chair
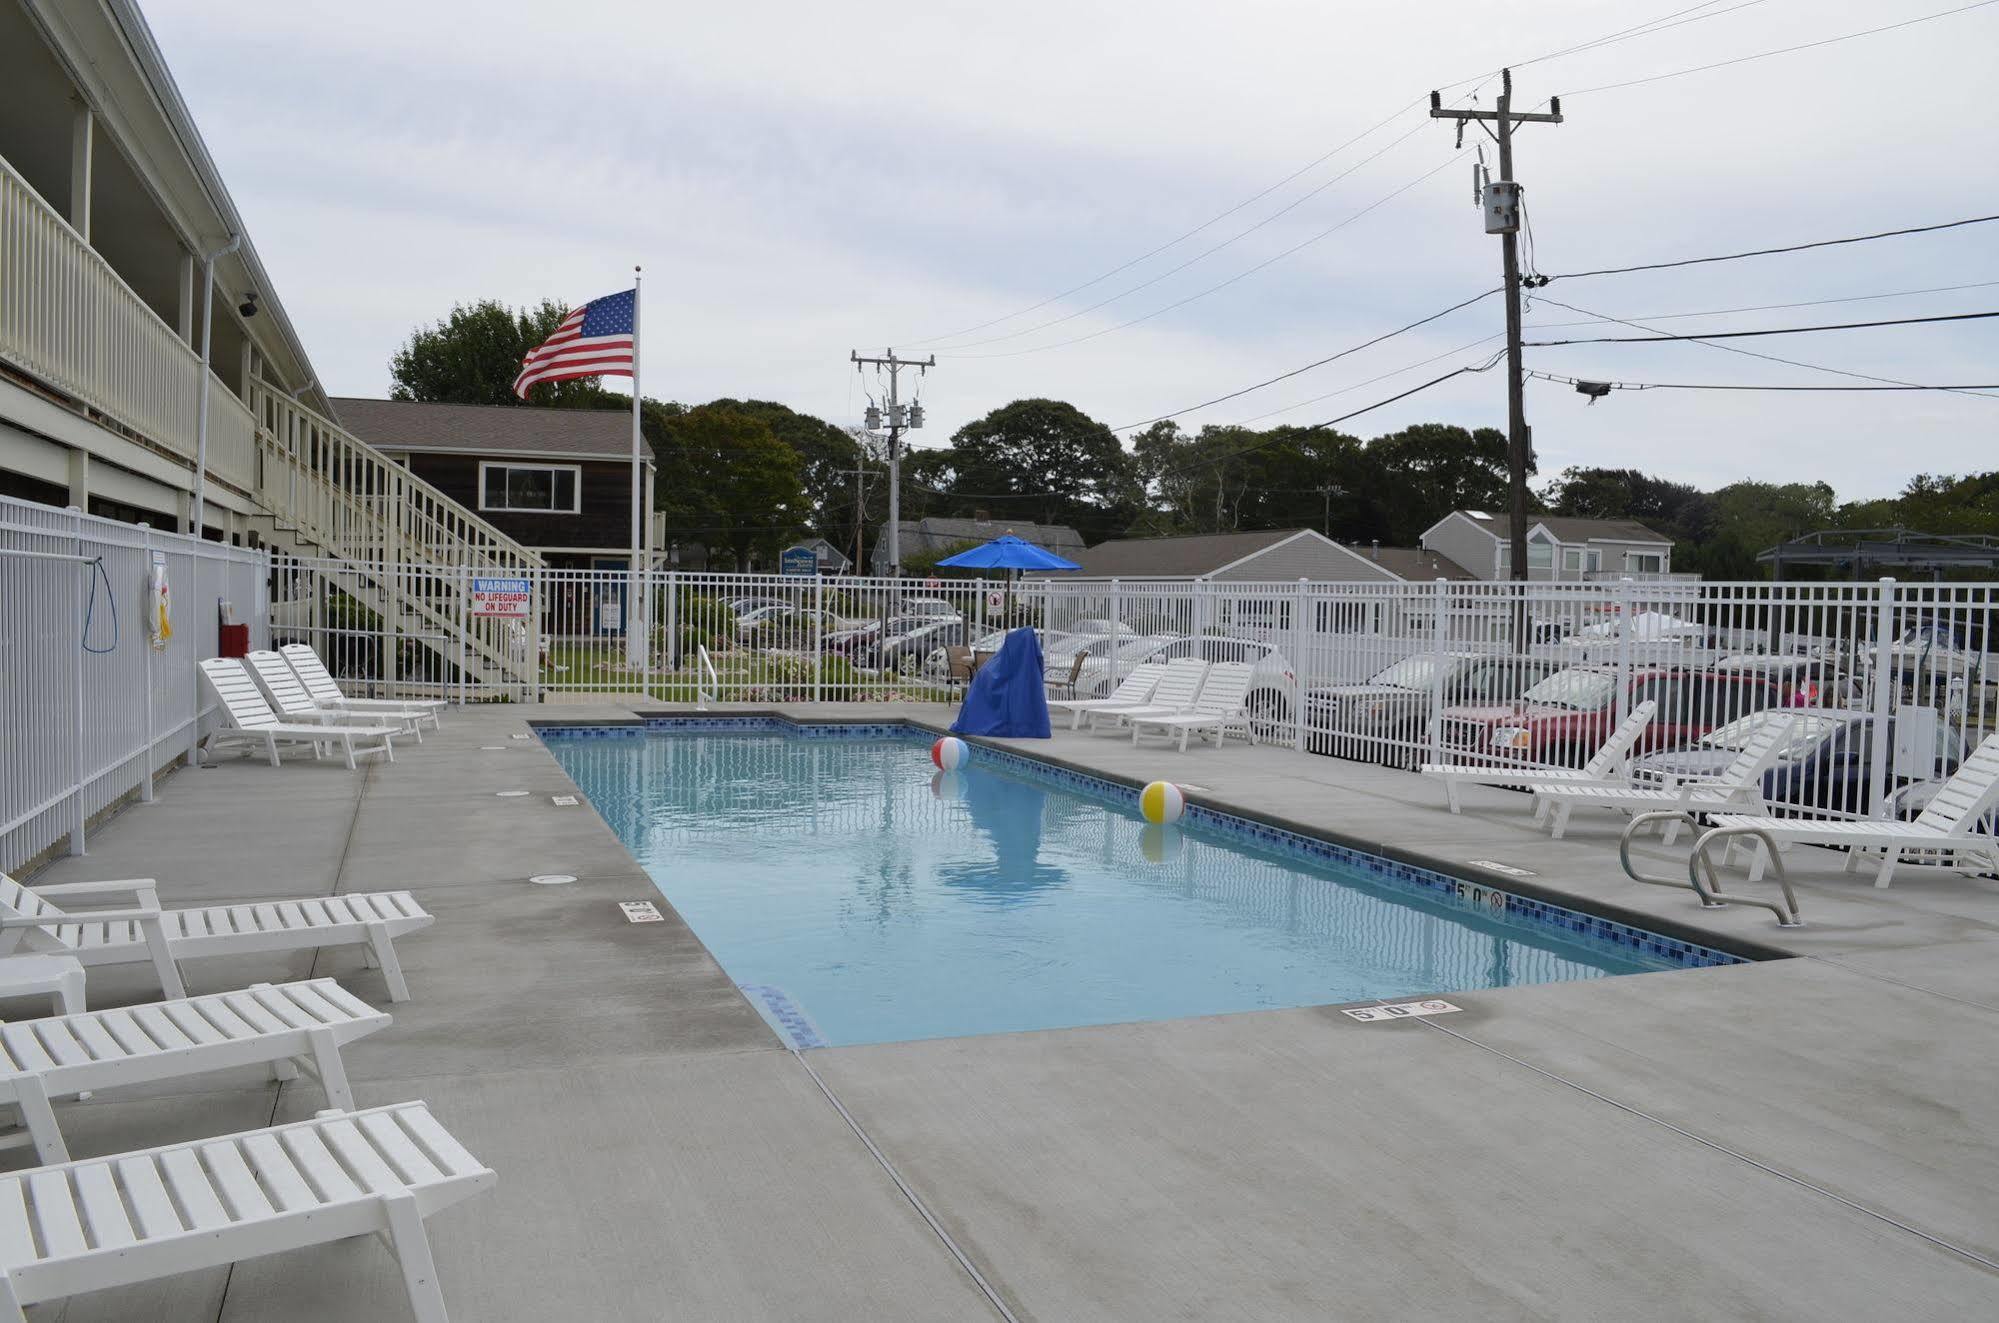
{"points": [[266, 1024], [1600, 770], [135, 1217], [253, 724], [1737, 786], [143, 932], [1947, 827], [1132, 691], [325, 690], [1219, 708], [1172, 696], [286, 694]]}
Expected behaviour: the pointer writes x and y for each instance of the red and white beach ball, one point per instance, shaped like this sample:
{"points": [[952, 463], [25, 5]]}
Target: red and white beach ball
{"points": [[949, 753]]}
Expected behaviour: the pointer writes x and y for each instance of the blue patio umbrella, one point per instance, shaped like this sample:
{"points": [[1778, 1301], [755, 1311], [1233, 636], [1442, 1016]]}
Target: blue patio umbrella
{"points": [[1008, 552]]}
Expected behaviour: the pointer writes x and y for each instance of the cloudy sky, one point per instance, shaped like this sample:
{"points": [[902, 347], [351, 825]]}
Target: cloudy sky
{"points": [[802, 179]]}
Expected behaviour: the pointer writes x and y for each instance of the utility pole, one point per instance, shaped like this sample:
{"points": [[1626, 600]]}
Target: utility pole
{"points": [[898, 420], [1500, 199], [860, 509]]}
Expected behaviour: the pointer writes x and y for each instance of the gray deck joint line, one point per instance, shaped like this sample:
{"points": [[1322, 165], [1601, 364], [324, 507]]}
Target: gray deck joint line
{"points": [[1719, 1147], [1913, 987], [915, 1200]]}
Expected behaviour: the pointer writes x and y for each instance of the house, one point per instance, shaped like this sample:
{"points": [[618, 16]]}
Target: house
{"points": [[150, 373], [1261, 556], [931, 537], [557, 481], [1559, 548], [830, 558]]}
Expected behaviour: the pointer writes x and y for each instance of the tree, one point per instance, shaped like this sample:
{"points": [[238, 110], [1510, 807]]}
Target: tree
{"points": [[1046, 461], [826, 458], [1418, 475], [473, 356], [725, 479]]}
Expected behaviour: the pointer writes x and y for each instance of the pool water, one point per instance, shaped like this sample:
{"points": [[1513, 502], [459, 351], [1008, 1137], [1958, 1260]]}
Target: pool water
{"points": [[860, 896]]}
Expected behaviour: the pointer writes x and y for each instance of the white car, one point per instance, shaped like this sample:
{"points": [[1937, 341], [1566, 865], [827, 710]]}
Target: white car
{"points": [[1273, 683]]}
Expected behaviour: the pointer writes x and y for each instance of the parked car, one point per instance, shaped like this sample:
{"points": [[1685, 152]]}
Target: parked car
{"points": [[903, 652], [858, 644], [741, 606], [1273, 683], [1804, 679], [787, 628], [1933, 651], [937, 665], [1826, 765], [929, 606], [1387, 717], [1563, 719]]}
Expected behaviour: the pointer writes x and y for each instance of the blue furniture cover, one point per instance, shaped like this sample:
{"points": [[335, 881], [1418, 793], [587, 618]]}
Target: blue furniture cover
{"points": [[1008, 696]]}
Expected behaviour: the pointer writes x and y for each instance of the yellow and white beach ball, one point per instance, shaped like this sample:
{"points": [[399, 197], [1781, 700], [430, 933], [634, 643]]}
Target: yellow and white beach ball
{"points": [[949, 753], [1161, 803]]}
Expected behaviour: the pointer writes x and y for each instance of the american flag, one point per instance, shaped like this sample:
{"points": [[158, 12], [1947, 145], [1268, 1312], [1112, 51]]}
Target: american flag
{"points": [[598, 339]]}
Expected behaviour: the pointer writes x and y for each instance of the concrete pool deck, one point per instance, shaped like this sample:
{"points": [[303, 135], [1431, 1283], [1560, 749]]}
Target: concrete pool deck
{"points": [[1805, 1138]]}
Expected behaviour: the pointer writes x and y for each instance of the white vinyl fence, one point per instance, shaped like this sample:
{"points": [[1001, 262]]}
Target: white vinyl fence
{"points": [[89, 708]]}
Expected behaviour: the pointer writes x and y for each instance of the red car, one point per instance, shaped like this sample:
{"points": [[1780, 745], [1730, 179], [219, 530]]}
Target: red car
{"points": [[1565, 718]]}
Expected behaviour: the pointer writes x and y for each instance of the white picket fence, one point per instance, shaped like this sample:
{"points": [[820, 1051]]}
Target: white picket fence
{"points": [[90, 710]]}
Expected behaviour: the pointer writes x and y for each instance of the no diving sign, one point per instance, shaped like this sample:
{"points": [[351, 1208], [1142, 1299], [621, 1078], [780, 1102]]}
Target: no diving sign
{"points": [[1406, 1010]]}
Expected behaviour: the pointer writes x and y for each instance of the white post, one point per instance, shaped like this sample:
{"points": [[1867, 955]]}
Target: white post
{"points": [[818, 637], [1623, 707], [635, 643], [76, 842], [1298, 607], [1440, 612], [1885, 683], [146, 675], [200, 497], [464, 626], [1117, 625]]}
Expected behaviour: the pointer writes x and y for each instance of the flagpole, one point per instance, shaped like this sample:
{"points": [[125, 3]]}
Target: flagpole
{"points": [[636, 650]]}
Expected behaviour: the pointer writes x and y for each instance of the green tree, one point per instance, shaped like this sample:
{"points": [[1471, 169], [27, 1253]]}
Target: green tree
{"points": [[1416, 476], [826, 457], [1046, 461], [725, 480], [473, 356]]}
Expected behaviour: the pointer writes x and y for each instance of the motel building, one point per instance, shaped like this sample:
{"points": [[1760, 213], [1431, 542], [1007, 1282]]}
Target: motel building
{"points": [[122, 261]]}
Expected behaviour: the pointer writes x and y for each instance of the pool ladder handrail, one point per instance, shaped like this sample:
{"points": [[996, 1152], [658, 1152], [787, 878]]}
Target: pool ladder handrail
{"points": [[707, 677], [1700, 865]]}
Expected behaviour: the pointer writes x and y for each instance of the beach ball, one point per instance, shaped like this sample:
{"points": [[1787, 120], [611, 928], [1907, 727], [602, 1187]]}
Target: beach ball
{"points": [[1159, 845], [949, 753], [1161, 803]]}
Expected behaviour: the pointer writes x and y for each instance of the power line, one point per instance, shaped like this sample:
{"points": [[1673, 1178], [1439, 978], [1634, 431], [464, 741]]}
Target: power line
{"points": [[1595, 317], [1648, 28], [1784, 50], [1768, 252], [1703, 385], [1751, 353], [1211, 250], [1737, 335], [1286, 376], [1216, 288]]}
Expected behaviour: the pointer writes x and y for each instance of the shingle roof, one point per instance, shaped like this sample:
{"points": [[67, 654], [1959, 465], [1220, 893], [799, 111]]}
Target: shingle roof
{"points": [[1414, 563], [494, 429], [1176, 557], [1572, 529]]}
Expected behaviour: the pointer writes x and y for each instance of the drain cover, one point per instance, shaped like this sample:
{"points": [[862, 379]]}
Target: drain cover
{"points": [[552, 879], [563, 801]]}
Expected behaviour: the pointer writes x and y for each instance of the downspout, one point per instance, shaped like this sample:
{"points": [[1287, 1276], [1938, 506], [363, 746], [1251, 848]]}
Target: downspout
{"points": [[201, 459], [201, 407]]}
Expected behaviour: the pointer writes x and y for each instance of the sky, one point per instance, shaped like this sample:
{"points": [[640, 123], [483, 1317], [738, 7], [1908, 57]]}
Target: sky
{"points": [[800, 180]]}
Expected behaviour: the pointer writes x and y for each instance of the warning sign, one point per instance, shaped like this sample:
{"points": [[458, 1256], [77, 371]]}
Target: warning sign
{"points": [[1401, 1010], [508, 598]]}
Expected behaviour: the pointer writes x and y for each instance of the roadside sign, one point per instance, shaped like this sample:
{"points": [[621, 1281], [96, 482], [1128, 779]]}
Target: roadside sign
{"points": [[508, 598], [799, 562]]}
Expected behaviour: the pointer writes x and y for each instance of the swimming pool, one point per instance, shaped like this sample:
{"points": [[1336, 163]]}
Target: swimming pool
{"points": [[859, 896]]}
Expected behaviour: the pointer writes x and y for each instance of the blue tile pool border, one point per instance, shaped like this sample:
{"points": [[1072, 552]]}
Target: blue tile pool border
{"points": [[1436, 885]]}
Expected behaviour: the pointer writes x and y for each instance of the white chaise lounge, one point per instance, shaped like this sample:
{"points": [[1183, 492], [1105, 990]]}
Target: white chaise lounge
{"points": [[1218, 710], [1600, 770], [143, 932], [253, 724], [1132, 691], [1173, 695], [287, 696], [325, 690], [1947, 827], [136, 1217], [282, 1025], [1736, 787]]}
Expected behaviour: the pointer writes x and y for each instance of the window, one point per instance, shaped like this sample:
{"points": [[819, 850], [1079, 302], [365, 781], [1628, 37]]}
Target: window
{"points": [[1540, 554], [1638, 563], [542, 487]]}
